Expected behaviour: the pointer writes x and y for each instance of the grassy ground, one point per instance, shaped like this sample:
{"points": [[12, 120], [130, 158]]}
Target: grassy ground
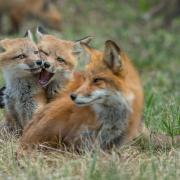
{"points": [[155, 51]]}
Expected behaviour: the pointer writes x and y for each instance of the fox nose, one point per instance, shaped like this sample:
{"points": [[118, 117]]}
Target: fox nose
{"points": [[73, 96], [46, 64], [39, 62]]}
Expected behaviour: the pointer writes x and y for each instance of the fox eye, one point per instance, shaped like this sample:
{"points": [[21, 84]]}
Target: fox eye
{"points": [[96, 80], [36, 52], [61, 60], [21, 56]]}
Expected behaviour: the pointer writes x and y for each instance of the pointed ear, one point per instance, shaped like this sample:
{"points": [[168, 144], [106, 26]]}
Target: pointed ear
{"points": [[82, 50], [29, 35], [112, 56], [40, 32], [78, 46]]}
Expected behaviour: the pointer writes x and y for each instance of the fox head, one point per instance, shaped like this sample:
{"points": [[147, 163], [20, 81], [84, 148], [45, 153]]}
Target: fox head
{"points": [[104, 78], [20, 57], [59, 56]]}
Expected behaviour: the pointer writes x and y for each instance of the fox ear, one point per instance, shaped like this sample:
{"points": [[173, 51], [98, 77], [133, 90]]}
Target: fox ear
{"points": [[29, 35], [112, 56], [81, 49], [78, 46], [40, 32]]}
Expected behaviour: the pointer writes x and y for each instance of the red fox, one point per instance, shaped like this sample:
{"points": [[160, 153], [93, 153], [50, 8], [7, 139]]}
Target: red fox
{"points": [[113, 89], [106, 102], [18, 10]]}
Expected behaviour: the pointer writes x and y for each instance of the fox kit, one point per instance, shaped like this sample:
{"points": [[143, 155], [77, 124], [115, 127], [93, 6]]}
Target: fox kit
{"points": [[108, 103], [61, 60], [44, 10], [21, 64]]}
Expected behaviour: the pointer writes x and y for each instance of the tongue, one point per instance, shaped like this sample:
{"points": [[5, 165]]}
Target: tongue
{"points": [[44, 77]]}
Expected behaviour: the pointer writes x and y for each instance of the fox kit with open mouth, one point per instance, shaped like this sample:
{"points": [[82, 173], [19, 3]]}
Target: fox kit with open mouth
{"points": [[60, 58], [21, 64]]}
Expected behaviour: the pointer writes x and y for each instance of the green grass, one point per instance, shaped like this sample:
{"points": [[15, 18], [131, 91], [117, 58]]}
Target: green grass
{"points": [[155, 52]]}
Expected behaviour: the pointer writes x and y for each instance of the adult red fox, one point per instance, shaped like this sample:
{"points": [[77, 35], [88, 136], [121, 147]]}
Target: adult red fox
{"points": [[106, 102]]}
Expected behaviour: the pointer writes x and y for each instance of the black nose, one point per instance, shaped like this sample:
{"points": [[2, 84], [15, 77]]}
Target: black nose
{"points": [[73, 96], [39, 62], [46, 64]]}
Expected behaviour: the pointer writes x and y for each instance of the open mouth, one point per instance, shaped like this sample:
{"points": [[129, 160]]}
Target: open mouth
{"points": [[44, 77]]}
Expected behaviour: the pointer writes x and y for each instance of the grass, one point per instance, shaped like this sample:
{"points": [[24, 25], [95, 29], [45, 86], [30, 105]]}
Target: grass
{"points": [[155, 52]]}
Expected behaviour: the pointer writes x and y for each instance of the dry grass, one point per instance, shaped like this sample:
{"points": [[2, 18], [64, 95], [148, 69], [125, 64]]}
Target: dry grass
{"points": [[129, 162]]}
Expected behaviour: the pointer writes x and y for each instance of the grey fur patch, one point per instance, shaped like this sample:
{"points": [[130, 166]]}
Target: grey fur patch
{"points": [[19, 100], [114, 117]]}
